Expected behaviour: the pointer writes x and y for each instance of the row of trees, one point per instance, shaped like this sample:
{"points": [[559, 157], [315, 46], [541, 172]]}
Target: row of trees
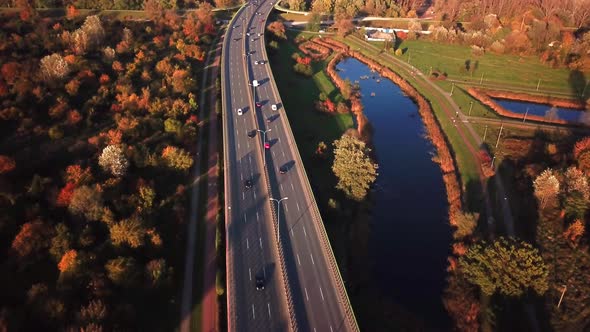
{"points": [[116, 4], [93, 217]]}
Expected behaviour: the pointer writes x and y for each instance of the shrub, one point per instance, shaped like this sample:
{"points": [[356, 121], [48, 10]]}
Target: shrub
{"points": [[55, 133], [497, 47], [302, 69]]}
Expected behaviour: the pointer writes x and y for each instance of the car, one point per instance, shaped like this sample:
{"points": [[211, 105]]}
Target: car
{"points": [[267, 145], [258, 104], [252, 39], [259, 34], [269, 119], [259, 282], [283, 169], [248, 184], [247, 34], [262, 21], [256, 62], [252, 133], [273, 107], [239, 111]]}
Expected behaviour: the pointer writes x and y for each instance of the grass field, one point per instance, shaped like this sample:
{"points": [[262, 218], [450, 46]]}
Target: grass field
{"points": [[512, 70]]}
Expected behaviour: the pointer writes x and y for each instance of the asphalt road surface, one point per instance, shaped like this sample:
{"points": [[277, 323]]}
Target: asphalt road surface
{"points": [[251, 239]]}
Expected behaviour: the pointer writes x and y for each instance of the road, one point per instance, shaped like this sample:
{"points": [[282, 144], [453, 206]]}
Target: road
{"points": [[309, 295]]}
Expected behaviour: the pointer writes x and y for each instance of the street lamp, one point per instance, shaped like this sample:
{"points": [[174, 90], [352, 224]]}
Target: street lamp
{"points": [[264, 141], [278, 214]]}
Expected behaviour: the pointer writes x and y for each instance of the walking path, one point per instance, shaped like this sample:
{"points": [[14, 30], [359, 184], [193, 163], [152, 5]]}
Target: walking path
{"points": [[210, 315], [209, 303]]}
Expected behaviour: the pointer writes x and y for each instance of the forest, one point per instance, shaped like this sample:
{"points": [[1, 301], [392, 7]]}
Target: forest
{"points": [[98, 130]]}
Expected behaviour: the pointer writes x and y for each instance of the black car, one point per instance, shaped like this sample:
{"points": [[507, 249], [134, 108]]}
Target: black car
{"points": [[283, 169], [259, 282], [248, 184], [252, 133]]}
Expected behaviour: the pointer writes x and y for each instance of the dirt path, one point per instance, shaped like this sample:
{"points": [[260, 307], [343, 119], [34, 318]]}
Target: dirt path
{"points": [[210, 314]]}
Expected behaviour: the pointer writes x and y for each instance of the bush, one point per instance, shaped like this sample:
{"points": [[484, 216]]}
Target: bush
{"points": [[302, 69], [497, 47], [55, 133], [399, 52]]}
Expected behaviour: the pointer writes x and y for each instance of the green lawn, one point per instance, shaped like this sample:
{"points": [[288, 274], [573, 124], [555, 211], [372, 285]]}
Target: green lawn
{"points": [[513, 70]]}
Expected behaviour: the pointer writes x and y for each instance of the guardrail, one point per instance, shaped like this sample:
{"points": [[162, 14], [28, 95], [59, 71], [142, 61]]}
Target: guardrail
{"points": [[285, 278], [319, 224]]}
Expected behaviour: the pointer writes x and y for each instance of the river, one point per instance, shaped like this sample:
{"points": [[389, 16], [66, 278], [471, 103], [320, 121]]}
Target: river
{"points": [[409, 234], [547, 111]]}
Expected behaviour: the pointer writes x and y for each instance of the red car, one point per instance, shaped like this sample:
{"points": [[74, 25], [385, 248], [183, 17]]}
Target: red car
{"points": [[267, 145], [258, 104]]}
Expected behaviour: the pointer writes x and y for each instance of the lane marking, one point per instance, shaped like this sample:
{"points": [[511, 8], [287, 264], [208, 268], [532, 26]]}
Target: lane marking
{"points": [[322, 293], [282, 187], [243, 196], [304, 232], [260, 241], [253, 313], [331, 329], [241, 177], [298, 210], [312, 261], [298, 260], [250, 273], [269, 315], [286, 209], [264, 271], [254, 195], [257, 219], [238, 145], [292, 186], [244, 218], [306, 296], [273, 153], [247, 244], [248, 144], [293, 235]]}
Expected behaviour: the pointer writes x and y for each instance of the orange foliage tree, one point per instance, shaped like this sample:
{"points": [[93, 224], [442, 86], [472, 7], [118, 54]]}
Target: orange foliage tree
{"points": [[78, 175], [7, 164], [68, 261], [32, 237], [65, 195]]}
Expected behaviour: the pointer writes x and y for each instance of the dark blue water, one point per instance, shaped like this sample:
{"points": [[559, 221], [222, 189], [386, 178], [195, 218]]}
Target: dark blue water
{"points": [[544, 110], [410, 234]]}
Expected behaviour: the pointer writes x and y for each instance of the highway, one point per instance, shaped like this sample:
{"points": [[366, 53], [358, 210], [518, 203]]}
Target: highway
{"points": [[310, 295]]}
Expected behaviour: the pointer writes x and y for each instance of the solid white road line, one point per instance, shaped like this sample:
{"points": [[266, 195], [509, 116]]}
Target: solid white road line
{"points": [[298, 260], [312, 261], [253, 313], [322, 293], [247, 244], [268, 306], [306, 296]]}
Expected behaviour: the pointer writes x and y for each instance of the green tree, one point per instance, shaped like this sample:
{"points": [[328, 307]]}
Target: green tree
{"points": [[353, 167], [506, 266], [575, 205], [172, 126], [122, 271]]}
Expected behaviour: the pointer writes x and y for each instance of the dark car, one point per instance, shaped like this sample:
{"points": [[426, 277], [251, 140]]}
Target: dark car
{"points": [[252, 133], [259, 282], [248, 184], [283, 169]]}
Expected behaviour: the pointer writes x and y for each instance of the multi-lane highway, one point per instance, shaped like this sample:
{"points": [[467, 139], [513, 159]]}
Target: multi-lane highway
{"points": [[304, 290]]}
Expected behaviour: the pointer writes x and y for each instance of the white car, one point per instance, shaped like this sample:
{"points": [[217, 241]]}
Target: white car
{"points": [[240, 111], [273, 107], [256, 62], [259, 34]]}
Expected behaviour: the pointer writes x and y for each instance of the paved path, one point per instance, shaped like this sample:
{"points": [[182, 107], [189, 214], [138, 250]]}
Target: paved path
{"points": [[189, 265], [210, 317]]}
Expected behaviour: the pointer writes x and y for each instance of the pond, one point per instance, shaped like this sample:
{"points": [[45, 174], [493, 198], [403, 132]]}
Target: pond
{"points": [[544, 110], [410, 235]]}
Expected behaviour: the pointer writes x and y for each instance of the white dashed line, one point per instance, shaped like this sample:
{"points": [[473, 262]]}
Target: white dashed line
{"points": [[282, 187], [241, 177], [273, 153], [247, 244], [312, 261], [257, 218], [286, 208], [306, 296], [250, 273], [293, 235], [322, 293], [298, 210], [298, 260], [253, 313], [304, 232], [331, 329], [283, 153], [244, 218], [268, 306], [260, 241], [254, 192], [292, 186], [243, 196]]}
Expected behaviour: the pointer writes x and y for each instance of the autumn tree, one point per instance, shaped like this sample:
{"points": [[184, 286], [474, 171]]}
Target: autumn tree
{"points": [[94, 312], [343, 23], [176, 158], [461, 302], [574, 232], [7, 164], [69, 261], [576, 180], [78, 175], [122, 271], [54, 66], [128, 231], [94, 31], [113, 160], [153, 9], [353, 167], [465, 224], [506, 266], [322, 6], [87, 201], [33, 237], [61, 242], [277, 29], [157, 272], [546, 186]]}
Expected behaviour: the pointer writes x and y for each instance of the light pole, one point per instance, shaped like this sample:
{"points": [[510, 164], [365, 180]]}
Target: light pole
{"points": [[263, 142], [525, 114], [278, 214]]}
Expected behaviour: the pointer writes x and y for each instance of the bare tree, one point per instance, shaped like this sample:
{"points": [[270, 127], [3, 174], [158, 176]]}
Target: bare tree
{"points": [[54, 66], [546, 186]]}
